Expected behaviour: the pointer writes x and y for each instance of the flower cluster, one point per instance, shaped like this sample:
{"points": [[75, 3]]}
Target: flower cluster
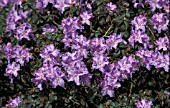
{"points": [[154, 58], [138, 31], [139, 23], [162, 43], [113, 40], [116, 72], [111, 7], [19, 54], [49, 73], [140, 37], [75, 68], [59, 4], [144, 103], [158, 4], [49, 29], [86, 16], [137, 3], [160, 22], [14, 103]]}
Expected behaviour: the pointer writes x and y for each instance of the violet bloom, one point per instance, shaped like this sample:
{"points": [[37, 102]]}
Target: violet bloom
{"points": [[100, 61], [9, 51], [113, 41], [144, 103], [49, 73], [14, 103], [23, 31], [137, 3], [138, 36], [41, 4], [4, 3], [50, 54], [153, 4], [12, 69], [75, 68], [86, 17], [62, 4], [22, 55], [108, 84], [139, 23], [49, 29], [98, 46], [81, 44], [12, 19], [111, 80], [70, 26], [160, 22], [162, 43], [111, 7]]}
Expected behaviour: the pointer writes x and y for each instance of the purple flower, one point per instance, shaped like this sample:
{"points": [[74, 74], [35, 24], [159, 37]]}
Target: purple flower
{"points": [[14, 102], [11, 19], [138, 36], [162, 43], [139, 23], [111, 7], [62, 4], [86, 17], [81, 44], [23, 31], [113, 41], [50, 54], [144, 104], [137, 3], [153, 4], [70, 26], [49, 73], [49, 29], [160, 22], [9, 51], [12, 69], [100, 61], [111, 80], [75, 68], [98, 45], [22, 55]]}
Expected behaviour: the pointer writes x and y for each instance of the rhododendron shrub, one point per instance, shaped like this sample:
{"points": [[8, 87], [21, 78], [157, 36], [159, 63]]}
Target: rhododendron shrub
{"points": [[84, 53]]}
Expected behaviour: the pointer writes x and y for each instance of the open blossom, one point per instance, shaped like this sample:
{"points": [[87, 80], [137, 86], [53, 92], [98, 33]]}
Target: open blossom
{"points": [[70, 25], [49, 29], [50, 54], [137, 3], [12, 19], [127, 66], [12, 70], [62, 4], [14, 103], [86, 17], [113, 41], [75, 68], [48, 73], [81, 44], [162, 43], [109, 83], [138, 36], [139, 23], [160, 22], [20, 54], [98, 45], [23, 31], [111, 7], [100, 61], [154, 58], [144, 104]]}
